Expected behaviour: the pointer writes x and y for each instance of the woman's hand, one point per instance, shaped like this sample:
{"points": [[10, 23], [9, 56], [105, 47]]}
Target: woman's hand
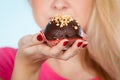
{"points": [[33, 51]]}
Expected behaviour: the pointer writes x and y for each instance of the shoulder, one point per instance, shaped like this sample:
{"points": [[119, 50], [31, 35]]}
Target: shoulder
{"points": [[6, 53], [7, 56], [7, 50]]}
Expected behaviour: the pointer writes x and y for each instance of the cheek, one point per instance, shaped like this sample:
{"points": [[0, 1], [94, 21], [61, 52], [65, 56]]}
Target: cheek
{"points": [[40, 18], [84, 19], [39, 12], [84, 14], [41, 22]]}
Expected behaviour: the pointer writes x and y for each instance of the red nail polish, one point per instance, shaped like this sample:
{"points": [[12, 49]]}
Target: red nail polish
{"points": [[84, 45], [39, 37], [65, 43], [79, 44]]}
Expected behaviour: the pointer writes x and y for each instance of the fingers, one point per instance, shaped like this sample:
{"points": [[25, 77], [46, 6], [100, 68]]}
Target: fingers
{"points": [[35, 44], [50, 51], [74, 49], [58, 51], [31, 40]]}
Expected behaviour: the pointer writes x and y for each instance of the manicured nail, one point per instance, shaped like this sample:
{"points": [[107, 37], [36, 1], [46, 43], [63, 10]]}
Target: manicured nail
{"points": [[39, 37], [65, 43], [79, 44], [84, 45]]}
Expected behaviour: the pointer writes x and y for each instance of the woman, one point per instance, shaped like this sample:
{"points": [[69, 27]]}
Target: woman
{"points": [[98, 61]]}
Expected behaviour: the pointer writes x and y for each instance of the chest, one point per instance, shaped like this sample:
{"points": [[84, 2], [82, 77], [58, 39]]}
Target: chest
{"points": [[70, 71]]}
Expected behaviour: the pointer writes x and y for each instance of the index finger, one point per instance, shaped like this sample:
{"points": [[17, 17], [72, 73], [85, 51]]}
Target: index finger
{"points": [[31, 40]]}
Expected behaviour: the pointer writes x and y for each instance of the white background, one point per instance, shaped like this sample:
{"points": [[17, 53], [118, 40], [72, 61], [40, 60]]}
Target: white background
{"points": [[16, 20]]}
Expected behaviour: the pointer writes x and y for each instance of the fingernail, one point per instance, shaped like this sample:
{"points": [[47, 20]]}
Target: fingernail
{"points": [[84, 45], [79, 44], [39, 37], [65, 43]]}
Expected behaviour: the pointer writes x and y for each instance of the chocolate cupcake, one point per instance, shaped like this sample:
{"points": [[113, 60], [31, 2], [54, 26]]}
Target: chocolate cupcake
{"points": [[62, 27]]}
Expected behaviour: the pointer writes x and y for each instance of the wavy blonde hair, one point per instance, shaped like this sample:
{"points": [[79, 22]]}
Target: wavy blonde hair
{"points": [[103, 53]]}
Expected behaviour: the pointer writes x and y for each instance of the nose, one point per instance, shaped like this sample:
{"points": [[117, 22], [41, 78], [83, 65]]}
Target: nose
{"points": [[59, 5]]}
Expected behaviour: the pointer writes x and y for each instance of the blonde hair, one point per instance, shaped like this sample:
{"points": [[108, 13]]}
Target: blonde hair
{"points": [[103, 37]]}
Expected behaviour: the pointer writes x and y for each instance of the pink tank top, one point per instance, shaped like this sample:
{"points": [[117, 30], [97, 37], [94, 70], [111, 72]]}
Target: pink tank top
{"points": [[7, 57]]}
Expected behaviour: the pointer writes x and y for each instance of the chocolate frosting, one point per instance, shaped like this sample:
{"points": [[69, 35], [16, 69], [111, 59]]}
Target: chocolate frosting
{"points": [[54, 30]]}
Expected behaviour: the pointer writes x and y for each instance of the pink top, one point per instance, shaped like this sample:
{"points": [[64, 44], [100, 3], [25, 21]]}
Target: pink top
{"points": [[7, 57]]}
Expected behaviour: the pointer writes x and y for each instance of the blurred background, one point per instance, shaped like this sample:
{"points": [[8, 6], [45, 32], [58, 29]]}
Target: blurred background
{"points": [[16, 20]]}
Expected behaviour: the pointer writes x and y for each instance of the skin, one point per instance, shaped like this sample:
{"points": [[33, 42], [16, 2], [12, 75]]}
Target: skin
{"points": [[32, 53], [79, 9]]}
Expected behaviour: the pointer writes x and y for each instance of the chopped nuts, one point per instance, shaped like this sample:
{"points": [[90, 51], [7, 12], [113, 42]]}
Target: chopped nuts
{"points": [[64, 20], [75, 27]]}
